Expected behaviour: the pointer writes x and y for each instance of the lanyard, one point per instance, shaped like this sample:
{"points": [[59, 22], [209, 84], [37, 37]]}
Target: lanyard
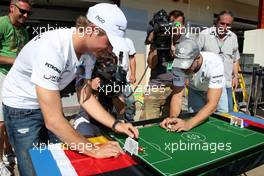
{"points": [[220, 45]]}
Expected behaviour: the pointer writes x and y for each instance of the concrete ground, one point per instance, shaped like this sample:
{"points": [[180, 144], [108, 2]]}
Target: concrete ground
{"points": [[259, 171]]}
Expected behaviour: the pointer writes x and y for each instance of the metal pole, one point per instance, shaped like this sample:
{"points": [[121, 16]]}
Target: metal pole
{"points": [[261, 15]]}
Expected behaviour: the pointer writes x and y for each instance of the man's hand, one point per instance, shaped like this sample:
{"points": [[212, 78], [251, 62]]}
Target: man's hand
{"points": [[128, 129], [132, 79], [95, 83], [235, 83], [109, 149], [166, 122], [177, 125]]}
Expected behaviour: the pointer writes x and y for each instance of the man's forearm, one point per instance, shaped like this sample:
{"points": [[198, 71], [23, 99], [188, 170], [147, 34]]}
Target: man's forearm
{"points": [[175, 107], [213, 97], [51, 108], [96, 110], [152, 59], [203, 114], [6, 60], [132, 64], [64, 131], [176, 102], [235, 68]]}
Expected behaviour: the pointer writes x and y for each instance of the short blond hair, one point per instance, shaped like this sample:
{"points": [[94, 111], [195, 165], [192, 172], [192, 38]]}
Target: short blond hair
{"points": [[82, 23], [26, 1]]}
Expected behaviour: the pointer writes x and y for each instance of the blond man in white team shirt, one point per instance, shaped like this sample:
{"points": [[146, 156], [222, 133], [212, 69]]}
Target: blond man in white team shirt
{"points": [[47, 64]]}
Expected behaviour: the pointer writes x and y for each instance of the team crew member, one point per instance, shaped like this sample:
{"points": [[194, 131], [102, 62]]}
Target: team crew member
{"points": [[207, 73], [82, 121], [46, 65], [157, 101], [129, 65], [13, 36], [222, 41]]}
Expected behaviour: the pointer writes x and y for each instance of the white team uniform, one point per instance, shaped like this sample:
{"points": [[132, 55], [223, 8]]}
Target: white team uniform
{"points": [[126, 54], [49, 61], [210, 75]]}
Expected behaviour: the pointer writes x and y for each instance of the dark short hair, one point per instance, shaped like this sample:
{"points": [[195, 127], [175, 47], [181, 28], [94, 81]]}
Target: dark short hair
{"points": [[224, 12], [176, 14]]}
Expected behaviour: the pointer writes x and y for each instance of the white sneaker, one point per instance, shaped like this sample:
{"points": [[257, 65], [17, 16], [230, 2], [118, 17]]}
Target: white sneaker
{"points": [[9, 159], [3, 170]]}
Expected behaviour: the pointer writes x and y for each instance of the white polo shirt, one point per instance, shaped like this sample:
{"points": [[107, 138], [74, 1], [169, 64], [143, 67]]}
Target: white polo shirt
{"points": [[126, 54], [49, 61], [227, 48], [210, 75]]}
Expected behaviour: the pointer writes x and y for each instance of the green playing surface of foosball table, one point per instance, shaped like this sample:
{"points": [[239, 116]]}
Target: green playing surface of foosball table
{"points": [[171, 153]]}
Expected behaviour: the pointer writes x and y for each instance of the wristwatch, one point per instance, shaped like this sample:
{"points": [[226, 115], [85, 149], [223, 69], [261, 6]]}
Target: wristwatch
{"points": [[115, 123]]}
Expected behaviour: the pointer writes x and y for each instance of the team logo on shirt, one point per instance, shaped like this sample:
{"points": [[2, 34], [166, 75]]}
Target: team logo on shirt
{"points": [[217, 79], [52, 67], [218, 76], [52, 78]]}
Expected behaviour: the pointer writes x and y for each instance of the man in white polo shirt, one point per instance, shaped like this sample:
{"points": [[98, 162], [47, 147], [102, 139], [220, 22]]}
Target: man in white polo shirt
{"points": [[129, 65], [46, 65], [206, 73], [219, 39]]}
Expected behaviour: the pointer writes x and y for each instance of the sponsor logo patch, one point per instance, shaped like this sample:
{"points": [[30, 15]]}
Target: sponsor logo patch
{"points": [[52, 78], [52, 67]]}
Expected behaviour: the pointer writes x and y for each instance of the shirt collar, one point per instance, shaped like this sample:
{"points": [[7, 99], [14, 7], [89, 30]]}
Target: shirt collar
{"points": [[213, 32], [182, 36]]}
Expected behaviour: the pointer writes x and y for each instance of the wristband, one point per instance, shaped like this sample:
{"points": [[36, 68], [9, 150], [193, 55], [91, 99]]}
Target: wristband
{"points": [[115, 123]]}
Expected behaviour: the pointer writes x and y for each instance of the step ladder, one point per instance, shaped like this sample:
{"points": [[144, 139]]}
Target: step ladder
{"points": [[240, 96]]}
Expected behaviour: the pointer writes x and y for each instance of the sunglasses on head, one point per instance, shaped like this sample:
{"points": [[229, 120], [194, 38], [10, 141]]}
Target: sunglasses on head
{"points": [[23, 11]]}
